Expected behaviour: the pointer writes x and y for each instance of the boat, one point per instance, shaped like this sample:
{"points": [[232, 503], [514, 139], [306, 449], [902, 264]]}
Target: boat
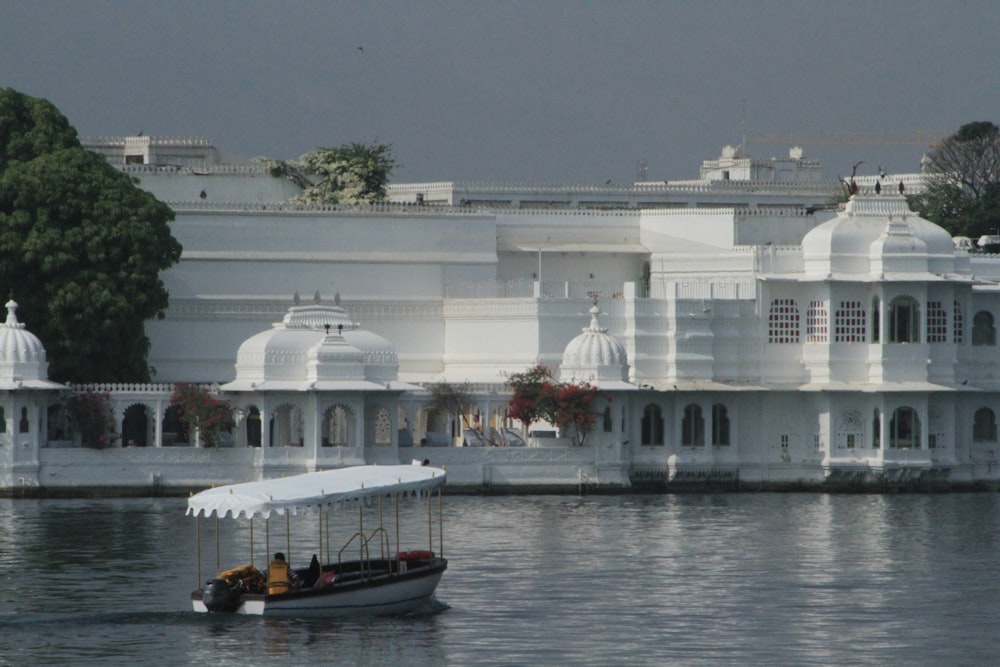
{"points": [[376, 579]]}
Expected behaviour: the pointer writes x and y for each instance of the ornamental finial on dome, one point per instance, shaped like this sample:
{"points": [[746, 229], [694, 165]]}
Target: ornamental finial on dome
{"points": [[12, 322], [595, 313]]}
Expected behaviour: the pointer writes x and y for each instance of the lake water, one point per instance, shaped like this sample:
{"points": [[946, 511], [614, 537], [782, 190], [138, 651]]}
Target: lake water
{"points": [[714, 579]]}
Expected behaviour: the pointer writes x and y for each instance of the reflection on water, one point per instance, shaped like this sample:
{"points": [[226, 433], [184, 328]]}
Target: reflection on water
{"points": [[715, 579]]}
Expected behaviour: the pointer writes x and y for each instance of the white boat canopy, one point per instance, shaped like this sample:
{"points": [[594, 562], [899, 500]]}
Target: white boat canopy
{"points": [[307, 492]]}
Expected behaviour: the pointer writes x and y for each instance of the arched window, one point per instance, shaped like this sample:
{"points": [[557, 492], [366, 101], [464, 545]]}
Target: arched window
{"points": [[608, 421], [652, 425], [336, 426], [876, 430], [254, 430], [783, 322], [984, 426], [175, 430], [904, 429], [693, 427], [904, 320], [135, 425], [3, 421], [983, 331], [383, 427], [285, 428], [876, 314], [720, 426], [23, 426]]}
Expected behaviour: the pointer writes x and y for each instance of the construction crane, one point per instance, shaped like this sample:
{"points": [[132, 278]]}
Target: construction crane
{"points": [[911, 138]]}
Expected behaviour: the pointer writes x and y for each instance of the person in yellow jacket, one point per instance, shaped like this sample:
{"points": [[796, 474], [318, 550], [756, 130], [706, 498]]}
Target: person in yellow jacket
{"points": [[279, 577]]}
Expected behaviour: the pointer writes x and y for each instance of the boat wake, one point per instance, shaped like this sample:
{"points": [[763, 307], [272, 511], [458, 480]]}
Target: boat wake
{"points": [[431, 607]]}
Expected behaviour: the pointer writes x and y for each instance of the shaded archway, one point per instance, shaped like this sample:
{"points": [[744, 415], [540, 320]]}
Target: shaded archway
{"points": [[338, 426], [135, 426]]}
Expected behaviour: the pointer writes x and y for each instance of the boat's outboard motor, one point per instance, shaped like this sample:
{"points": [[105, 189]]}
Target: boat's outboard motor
{"points": [[219, 595]]}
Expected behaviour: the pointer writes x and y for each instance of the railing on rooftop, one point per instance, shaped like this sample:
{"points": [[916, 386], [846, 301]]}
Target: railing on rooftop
{"points": [[529, 289]]}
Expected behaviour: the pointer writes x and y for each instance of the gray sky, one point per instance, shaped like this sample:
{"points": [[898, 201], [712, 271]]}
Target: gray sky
{"points": [[551, 92]]}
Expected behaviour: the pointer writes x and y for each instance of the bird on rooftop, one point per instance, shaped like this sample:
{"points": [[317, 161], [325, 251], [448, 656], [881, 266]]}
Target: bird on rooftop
{"points": [[852, 186]]}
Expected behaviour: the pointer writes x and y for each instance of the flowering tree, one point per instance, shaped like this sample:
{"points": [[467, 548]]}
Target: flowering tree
{"points": [[354, 173], [573, 409], [533, 395], [91, 416], [538, 396], [202, 411]]}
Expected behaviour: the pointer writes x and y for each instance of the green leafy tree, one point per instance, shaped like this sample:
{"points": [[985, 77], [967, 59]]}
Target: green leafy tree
{"points": [[354, 173], [81, 246], [963, 182]]}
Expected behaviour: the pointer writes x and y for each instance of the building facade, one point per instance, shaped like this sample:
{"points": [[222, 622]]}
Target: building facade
{"points": [[767, 338]]}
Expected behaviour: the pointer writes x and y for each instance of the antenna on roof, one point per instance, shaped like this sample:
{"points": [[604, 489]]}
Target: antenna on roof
{"points": [[743, 139], [641, 170]]}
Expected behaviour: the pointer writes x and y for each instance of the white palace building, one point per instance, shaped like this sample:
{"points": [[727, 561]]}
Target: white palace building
{"points": [[740, 330]]}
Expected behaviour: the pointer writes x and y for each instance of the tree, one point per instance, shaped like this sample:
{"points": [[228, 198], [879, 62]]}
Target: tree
{"points": [[354, 173], [203, 413], [573, 410], [450, 399], [963, 182], [536, 395], [533, 395], [81, 246], [90, 414]]}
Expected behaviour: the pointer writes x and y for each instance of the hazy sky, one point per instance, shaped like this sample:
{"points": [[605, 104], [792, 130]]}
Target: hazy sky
{"points": [[557, 92]]}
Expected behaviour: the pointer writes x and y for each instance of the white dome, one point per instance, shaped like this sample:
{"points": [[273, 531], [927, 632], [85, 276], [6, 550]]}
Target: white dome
{"points": [[313, 344], [878, 234], [380, 357], [594, 355], [22, 355]]}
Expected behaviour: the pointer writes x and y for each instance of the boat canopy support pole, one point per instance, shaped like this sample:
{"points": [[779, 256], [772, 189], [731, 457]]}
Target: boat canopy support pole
{"points": [[218, 546], [361, 531], [197, 528]]}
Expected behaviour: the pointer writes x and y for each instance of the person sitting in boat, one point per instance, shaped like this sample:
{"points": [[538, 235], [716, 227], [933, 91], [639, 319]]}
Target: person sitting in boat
{"points": [[312, 576], [279, 575]]}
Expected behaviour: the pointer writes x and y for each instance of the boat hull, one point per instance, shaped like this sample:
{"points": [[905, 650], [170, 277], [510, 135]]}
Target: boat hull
{"points": [[380, 595]]}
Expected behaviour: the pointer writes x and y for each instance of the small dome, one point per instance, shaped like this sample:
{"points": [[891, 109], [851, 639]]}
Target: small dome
{"points": [[594, 355], [877, 234], [314, 343], [380, 357], [22, 355]]}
